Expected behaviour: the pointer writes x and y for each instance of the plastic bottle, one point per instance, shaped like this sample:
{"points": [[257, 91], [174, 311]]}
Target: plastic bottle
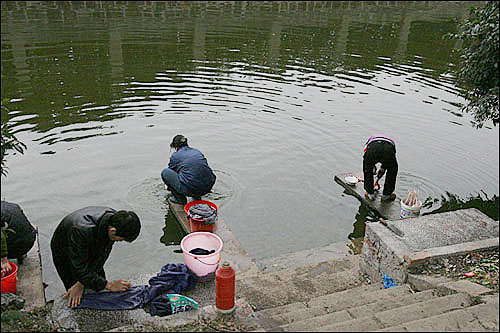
{"points": [[224, 288]]}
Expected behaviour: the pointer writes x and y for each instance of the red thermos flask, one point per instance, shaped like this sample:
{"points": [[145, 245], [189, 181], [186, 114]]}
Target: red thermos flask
{"points": [[224, 288]]}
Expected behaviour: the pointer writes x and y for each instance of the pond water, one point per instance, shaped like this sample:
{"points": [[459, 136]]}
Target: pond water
{"points": [[279, 96]]}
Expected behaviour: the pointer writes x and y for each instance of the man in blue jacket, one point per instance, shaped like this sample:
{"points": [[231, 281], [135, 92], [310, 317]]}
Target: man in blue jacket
{"points": [[188, 173]]}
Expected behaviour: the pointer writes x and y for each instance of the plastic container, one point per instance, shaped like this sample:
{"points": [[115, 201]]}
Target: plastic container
{"points": [[407, 211], [203, 266], [199, 225], [224, 288], [9, 282]]}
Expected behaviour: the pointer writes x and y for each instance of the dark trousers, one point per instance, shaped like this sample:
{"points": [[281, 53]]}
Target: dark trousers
{"points": [[385, 153], [65, 270], [171, 179]]}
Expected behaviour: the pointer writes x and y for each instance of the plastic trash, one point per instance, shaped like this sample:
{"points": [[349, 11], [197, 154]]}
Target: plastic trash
{"points": [[388, 282]]}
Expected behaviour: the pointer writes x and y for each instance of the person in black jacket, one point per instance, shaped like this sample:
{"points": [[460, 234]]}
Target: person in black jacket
{"points": [[188, 172], [18, 235], [81, 244]]}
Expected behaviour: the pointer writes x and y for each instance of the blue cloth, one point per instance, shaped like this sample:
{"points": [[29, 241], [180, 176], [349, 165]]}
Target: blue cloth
{"points": [[388, 282], [172, 279], [195, 175], [177, 276], [160, 306]]}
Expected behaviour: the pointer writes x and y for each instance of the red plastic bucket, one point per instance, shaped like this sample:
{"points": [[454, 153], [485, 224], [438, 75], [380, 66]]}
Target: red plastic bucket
{"points": [[199, 225], [9, 282]]}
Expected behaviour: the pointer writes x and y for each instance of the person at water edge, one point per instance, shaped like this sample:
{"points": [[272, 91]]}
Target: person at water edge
{"points": [[380, 149], [188, 173], [82, 243], [18, 235]]}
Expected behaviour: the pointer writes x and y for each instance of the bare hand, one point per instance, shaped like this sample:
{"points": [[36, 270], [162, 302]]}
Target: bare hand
{"points": [[118, 285], [6, 267], [75, 294]]}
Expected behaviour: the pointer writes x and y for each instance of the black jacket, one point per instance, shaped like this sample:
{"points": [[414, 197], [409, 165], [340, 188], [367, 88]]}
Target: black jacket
{"points": [[82, 238], [16, 230]]}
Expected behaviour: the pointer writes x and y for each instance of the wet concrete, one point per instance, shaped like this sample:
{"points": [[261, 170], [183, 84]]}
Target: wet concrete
{"points": [[100, 320], [29, 278]]}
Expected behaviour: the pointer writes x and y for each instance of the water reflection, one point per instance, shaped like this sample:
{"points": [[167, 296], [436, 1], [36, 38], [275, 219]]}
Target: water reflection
{"points": [[480, 201], [172, 232], [65, 72]]}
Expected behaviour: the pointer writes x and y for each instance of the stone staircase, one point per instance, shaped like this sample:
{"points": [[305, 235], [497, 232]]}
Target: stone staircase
{"points": [[329, 296]]}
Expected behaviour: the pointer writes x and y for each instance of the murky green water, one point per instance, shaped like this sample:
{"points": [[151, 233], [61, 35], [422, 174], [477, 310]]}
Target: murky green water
{"points": [[279, 96]]}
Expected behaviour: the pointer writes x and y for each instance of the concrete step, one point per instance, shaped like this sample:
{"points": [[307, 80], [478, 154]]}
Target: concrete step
{"points": [[385, 303], [301, 284], [401, 315], [326, 304], [272, 317], [350, 295], [336, 265], [477, 318]]}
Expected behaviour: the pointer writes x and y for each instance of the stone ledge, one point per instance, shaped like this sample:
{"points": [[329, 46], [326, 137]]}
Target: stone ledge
{"points": [[385, 252], [29, 278], [447, 285], [414, 259]]}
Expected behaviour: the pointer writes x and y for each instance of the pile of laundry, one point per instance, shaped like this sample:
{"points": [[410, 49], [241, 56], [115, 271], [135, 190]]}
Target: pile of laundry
{"points": [[203, 213], [162, 294]]}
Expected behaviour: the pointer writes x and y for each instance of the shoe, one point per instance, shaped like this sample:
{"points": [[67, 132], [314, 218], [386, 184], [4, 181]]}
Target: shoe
{"points": [[178, 201], [391, 196], [369, 196]]}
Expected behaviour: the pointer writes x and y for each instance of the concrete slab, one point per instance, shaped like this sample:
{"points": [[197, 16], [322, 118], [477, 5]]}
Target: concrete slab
{"points": [[424, 238], [449, 228], [306, 257], [232, 250], [180, 215], [389, 210], [29, 278], [468, 287]]}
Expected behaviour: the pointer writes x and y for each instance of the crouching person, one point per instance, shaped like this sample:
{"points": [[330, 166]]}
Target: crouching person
{"points": [[18, 235], [81, 244]]}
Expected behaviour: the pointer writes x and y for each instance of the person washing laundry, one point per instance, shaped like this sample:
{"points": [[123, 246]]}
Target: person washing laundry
{"points": [[18, 235], [82, 243], [188, 172], [380, 149]]}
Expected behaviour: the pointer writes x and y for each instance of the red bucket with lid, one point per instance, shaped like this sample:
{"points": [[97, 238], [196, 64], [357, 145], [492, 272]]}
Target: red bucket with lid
{"points": [[199, 225]]}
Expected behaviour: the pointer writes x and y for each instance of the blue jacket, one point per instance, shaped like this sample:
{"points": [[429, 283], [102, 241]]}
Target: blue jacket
{"points": [[194, 172]]}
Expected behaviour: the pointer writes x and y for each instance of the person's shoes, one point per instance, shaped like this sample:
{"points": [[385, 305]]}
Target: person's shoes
{"points": [[369, 196], [176, 200], [389, 197]]}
